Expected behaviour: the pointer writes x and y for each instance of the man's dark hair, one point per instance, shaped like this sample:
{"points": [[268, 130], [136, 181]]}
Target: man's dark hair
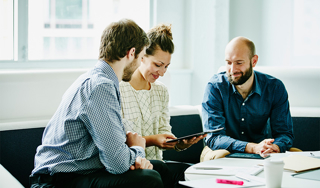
{"points": [[119, 37], [252, 48]]}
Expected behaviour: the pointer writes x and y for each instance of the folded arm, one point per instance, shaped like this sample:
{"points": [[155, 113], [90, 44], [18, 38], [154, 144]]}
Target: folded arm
{"points": [[103, 121]]}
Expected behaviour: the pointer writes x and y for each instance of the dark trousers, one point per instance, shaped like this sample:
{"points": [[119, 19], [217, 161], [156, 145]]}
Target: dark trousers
{"points": [[177, 172], [161, 176]]}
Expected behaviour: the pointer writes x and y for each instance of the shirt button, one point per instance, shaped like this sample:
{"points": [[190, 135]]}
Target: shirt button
{"points": [[242, 119], [242, 104], [242, 132]]}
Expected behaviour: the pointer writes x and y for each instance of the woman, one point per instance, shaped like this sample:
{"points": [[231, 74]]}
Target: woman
{"points": [[144, 101]]}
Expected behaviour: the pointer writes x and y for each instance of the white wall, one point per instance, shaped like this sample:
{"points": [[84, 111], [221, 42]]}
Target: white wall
{"points": [[285, 34], [31, 97], [210, 31], [201, 30]]}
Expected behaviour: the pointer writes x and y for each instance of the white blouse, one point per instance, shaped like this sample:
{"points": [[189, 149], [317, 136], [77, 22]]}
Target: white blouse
{"points": [[146, 113]]}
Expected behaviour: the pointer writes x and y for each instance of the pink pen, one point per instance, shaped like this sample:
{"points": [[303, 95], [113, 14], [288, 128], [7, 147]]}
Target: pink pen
{"points": [[234, 182]]}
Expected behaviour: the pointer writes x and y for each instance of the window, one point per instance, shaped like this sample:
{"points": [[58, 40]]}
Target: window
{"points": [[61, 29], [306, 28], [6, 31]]}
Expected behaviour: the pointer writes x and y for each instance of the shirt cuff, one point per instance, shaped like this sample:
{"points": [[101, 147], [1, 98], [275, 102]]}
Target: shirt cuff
{"points": [[139, 151], [282, 146], [239, 146]]}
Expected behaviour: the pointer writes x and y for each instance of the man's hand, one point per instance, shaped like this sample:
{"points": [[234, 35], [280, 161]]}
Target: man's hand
{"points": [[133, 139], [269, 148], [264, 148], [141, 163], [186, 143]]}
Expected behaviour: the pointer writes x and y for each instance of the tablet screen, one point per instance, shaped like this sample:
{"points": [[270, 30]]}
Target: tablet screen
{"points": [[194, 135]]}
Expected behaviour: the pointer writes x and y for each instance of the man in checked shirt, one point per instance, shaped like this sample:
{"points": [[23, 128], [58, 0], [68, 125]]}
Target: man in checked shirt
{"points": [[84, 144]]}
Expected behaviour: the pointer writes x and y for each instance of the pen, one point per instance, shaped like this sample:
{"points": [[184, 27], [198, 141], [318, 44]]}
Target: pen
{"points": [[207, 168], [241, 177], [233, 182]]}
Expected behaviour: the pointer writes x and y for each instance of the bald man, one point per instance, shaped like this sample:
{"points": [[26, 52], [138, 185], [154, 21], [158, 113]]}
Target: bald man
{"points": [[243, 101]]}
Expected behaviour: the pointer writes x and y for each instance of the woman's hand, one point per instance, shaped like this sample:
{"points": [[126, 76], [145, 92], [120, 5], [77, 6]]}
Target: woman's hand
{"points": [[160, 140], [186, 143]]}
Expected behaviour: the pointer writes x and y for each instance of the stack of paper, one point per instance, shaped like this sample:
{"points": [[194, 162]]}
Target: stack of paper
{"points": [[300, 163]]}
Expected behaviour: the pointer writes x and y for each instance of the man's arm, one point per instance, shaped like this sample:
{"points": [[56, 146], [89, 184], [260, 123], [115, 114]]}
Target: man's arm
{"points": [[280, 119], [213, 117], [103, 121]]}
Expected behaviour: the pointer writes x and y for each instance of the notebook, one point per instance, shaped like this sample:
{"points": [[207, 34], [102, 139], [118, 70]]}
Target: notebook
{"points": [[311, 175]]}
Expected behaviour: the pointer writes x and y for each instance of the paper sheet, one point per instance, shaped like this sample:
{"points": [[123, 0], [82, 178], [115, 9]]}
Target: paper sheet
{"points": [[314, 154], [211, 182], [223, 170]]}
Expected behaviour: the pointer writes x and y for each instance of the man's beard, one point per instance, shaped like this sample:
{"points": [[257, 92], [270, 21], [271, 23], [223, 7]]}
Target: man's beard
{"points": [[129, 70], [245, 76]]}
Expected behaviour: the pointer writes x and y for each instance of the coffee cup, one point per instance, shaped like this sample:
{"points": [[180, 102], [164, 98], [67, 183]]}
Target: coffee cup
{"points": [[273, 170]]}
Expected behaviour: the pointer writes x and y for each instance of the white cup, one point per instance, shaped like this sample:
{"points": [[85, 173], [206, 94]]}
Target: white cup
{"points": [[273, 170]]}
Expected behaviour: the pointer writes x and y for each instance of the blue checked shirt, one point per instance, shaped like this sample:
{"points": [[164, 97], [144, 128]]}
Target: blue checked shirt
{"points": [[246, 120], [86, 132]]}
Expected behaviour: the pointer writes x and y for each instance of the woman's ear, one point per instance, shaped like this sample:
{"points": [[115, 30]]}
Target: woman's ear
{"points": [[143, 59]]}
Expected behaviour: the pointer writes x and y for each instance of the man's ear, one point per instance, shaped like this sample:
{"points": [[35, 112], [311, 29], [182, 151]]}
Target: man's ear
{"points": [[131, 54], [254, 60]]}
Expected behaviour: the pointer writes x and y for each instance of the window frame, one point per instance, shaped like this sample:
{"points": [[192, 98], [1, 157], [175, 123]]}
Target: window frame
{"points": [[20, 40]]}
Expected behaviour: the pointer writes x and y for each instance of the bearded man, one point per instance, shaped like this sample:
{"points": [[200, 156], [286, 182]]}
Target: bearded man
{"points": [[245, 103]]}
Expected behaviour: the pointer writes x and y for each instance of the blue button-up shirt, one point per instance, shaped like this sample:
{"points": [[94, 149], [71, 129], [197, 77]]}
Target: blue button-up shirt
{"points": [[246, 120], [86, 132]]}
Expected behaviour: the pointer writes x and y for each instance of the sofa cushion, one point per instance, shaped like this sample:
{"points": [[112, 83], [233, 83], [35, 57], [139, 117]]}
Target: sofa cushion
{"points": [[18, 148], [185, 120]]}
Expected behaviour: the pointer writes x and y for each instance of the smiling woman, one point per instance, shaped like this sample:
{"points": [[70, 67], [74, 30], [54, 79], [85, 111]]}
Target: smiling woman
{"points": [[144, 102]]}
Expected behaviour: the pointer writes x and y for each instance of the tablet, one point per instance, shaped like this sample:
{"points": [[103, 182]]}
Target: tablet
{"points": [[194, 135], [246, 155]]}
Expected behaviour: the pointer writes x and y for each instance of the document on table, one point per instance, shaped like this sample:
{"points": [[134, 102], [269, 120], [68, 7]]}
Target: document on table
{"points": [[300, 163], [211, 182], [223, 170]]}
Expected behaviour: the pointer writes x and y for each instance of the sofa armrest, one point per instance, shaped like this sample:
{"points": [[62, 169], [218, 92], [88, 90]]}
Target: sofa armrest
{"points": [[7, 180]]}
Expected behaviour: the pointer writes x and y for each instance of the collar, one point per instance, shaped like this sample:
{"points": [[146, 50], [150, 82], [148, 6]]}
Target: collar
{"points": [[108, 70], [255, 88]]}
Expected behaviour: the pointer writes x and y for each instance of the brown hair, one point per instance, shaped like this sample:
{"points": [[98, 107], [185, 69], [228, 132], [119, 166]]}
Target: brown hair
{"points": [[251, 48], [119, 37], [160, 37]]}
